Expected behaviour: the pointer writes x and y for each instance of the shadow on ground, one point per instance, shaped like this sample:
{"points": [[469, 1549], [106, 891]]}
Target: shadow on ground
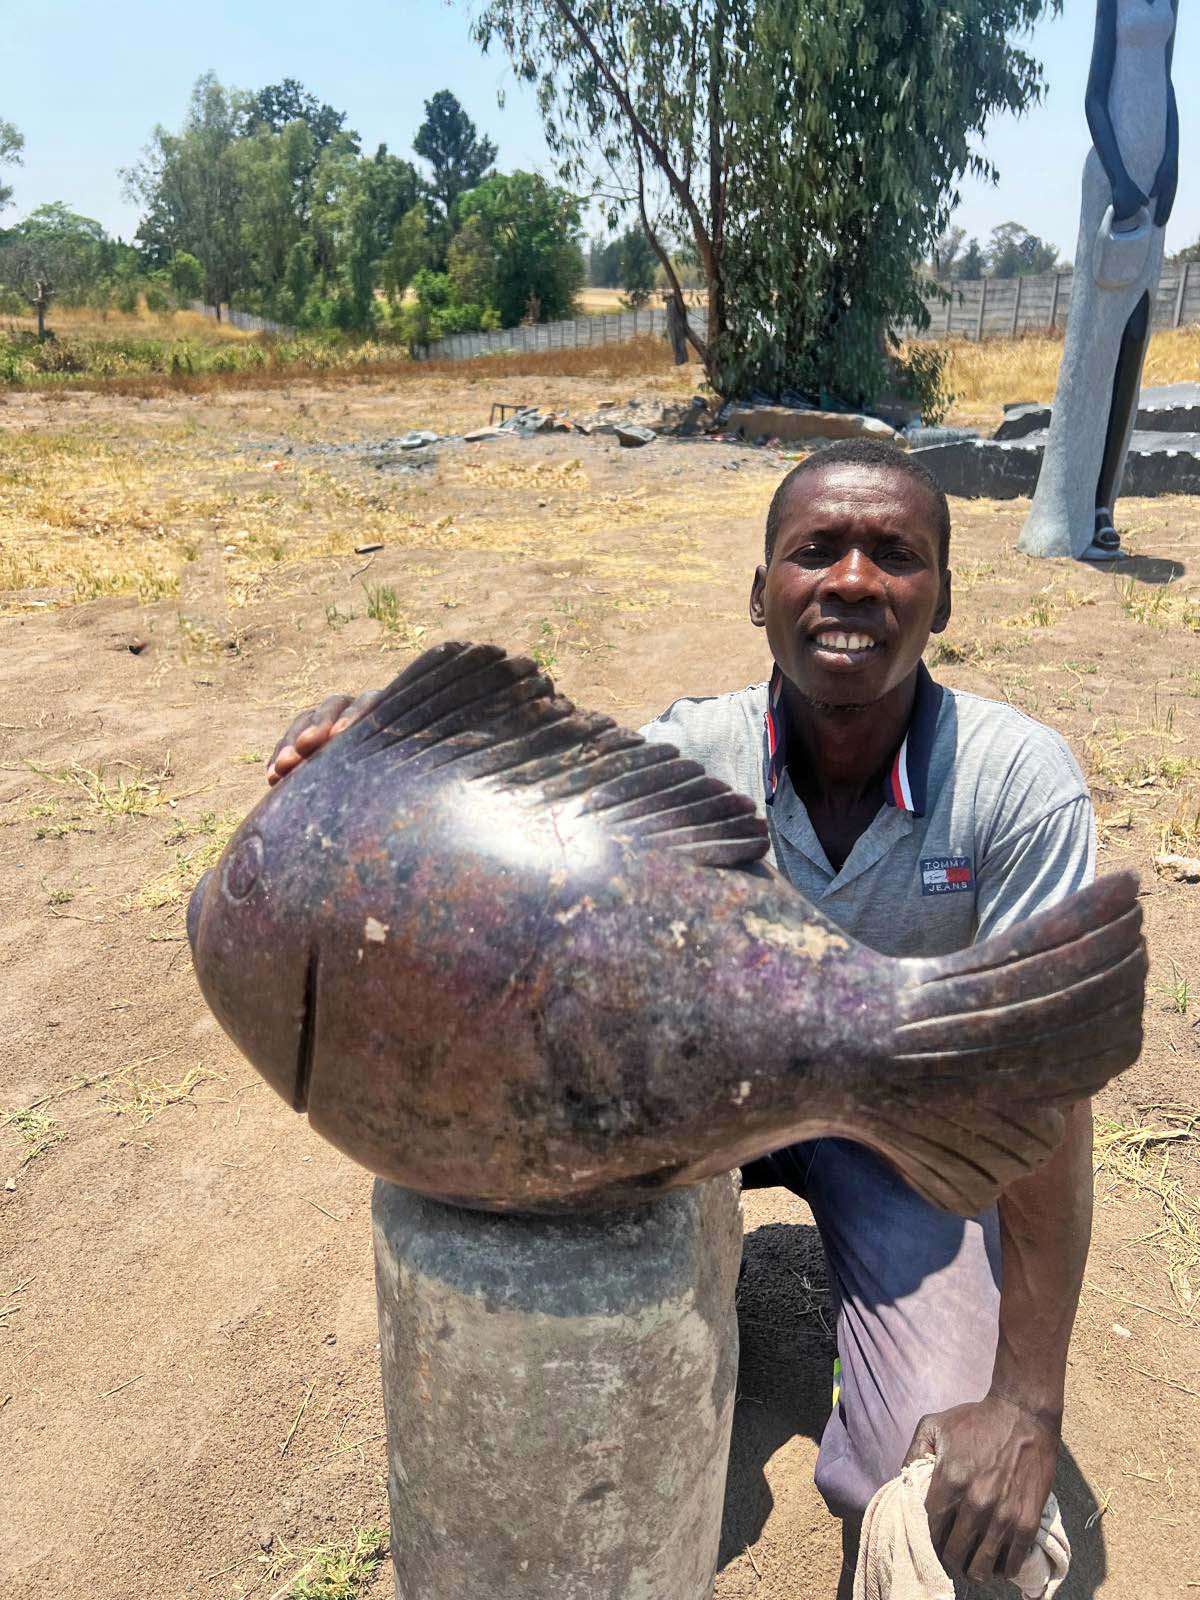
{"points": [[784, 1389], [1147, 569]]}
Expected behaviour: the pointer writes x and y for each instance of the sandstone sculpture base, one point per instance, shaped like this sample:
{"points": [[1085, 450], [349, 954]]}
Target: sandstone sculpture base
{"points": [[559, 1396]]}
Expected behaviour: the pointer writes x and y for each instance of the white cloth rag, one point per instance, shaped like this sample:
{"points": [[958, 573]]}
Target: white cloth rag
{"points": [[897, 1561]]}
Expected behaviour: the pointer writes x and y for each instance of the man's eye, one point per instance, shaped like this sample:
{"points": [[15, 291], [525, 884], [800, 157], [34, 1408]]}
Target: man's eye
{"points": [[811, 555]]}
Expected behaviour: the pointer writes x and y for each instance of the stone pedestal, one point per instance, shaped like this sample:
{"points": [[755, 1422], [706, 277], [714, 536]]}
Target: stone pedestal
{"points": [[559, 1396]]}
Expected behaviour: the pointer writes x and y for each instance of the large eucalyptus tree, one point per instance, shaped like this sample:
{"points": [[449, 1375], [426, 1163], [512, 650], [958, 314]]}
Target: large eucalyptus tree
{"points": [[807, 152]]}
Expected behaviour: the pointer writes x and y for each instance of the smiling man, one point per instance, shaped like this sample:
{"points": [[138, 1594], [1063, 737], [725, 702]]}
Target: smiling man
{"points": [[921, 820]]}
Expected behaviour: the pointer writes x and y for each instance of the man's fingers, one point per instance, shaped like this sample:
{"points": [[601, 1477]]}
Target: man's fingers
{"points": [[1021, 1542], [307, 733], [965, 1537], [983, 1561], [924, 1442], [357, 708]]}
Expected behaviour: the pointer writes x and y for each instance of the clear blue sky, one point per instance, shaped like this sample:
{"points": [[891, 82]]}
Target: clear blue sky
{"points": [[86, 83]]}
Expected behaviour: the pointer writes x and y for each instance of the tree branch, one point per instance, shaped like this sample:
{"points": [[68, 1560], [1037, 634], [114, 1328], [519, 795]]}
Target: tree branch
{"points": [[668, 266], [642, 135]]}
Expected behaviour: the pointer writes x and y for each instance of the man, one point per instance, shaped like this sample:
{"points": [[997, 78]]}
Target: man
{"points": [[921, 820]]}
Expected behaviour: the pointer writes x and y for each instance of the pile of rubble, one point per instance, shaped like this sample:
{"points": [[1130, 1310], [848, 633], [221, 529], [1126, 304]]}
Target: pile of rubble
{"points": [[635, 423]]}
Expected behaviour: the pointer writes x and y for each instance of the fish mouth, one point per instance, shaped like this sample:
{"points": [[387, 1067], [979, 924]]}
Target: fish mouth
{"points": [[308, 1033]]}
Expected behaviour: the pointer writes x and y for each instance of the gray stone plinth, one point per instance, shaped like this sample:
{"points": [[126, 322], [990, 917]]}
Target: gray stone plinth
{"points": [[1003, 469], [559, 1396], [1162, 408]]}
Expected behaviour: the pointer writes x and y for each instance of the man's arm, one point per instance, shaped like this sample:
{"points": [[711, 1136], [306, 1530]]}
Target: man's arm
{"points": [[996, 1457]]}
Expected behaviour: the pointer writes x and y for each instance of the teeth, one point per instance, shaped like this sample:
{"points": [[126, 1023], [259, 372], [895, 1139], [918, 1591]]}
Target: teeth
{"points": [[846, 641]]}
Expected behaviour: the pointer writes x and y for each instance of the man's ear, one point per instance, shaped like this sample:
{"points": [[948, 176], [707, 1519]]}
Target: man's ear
{"points": [[941, 615], [758, 608]]}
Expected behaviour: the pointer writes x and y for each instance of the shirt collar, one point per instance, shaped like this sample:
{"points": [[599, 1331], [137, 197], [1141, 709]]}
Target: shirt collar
{"points": [[906, 785]]}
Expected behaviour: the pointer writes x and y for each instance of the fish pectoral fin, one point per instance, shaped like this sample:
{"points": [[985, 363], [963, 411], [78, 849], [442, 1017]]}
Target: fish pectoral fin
{"points": [[990, 1040], [498, 717]]}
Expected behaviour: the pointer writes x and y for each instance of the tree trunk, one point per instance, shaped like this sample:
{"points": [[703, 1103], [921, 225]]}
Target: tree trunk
{"points": [[40, 306]]}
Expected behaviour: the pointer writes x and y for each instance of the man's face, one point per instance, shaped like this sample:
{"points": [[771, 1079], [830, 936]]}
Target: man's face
{"points": [[854, 588]]}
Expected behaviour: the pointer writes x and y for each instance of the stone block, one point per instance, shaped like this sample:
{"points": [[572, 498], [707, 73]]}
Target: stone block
{"points": [[559, 1395], [805, 427], [1003, 469]]}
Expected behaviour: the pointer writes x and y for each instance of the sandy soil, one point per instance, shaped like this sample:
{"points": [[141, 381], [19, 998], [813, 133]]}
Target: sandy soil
{"points": [[189, 1389]]}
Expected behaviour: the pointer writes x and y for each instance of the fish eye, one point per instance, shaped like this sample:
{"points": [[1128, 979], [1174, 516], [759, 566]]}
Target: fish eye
{"points": [[243, 867]]}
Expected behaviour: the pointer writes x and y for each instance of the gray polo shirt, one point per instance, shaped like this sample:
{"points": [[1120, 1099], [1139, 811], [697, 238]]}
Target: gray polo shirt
{"points": [[985, 817]]}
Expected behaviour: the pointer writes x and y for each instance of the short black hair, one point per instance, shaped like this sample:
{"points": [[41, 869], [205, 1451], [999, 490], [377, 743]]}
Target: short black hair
{"points": [[863, 453]]}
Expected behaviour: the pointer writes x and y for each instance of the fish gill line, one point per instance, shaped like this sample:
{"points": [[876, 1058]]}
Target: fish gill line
{"points": [[308, 1032]]}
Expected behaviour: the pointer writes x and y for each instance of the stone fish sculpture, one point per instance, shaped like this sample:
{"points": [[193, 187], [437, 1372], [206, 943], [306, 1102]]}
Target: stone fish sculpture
{"points": [[496, 948]]}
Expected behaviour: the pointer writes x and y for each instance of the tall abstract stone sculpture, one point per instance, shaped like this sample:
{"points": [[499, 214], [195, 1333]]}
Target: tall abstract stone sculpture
{"points": [[1129, 181]]}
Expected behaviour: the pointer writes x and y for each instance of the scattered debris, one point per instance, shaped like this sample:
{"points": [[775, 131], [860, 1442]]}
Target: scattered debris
{"points": [[417, 439], [366, 549], [1185, 868], [632, 437]]}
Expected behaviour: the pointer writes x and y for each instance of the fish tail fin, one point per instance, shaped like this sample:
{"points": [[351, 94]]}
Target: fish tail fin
{"points": [[991, 1041]]}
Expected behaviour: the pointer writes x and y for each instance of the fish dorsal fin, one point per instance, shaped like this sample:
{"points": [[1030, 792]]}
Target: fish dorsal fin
{"points": [[497, 717]]}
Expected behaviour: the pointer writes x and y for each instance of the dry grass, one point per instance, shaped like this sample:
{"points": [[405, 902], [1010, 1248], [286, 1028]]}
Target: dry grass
{"points": [[140, 1093], [1141, 1155], [81, 322], [171, 887], [103, 793], [38, 1132], [269, 364], [337, 1570], [988, 374]]}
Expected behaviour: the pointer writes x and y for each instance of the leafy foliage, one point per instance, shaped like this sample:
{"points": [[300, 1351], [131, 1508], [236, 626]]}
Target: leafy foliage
{"points": [[637, 265], [531, 231], [12, 142], [460, 159], [808, 150], [1016, 252]]}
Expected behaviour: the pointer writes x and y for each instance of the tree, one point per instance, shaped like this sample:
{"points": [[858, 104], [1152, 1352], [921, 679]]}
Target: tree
{"points": [[808, 151], [471, 264], [279, 104], [54, 254], [12, 143], [191, 185], [408, 253], [945, 253], [637, 264], [972, 263], [1190, 252], [532, 230], [1016, 252], [604, 262], [460, 159]]}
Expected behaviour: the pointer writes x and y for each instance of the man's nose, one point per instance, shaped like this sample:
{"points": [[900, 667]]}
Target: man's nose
{"points": [[854, 578]]}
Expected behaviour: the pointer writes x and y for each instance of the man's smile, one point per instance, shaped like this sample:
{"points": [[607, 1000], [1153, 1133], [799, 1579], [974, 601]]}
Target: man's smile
{"points": [[837, 645]]}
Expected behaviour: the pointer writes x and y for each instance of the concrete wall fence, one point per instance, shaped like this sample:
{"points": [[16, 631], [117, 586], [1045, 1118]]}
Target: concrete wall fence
{"points": [[1002, 308], [978, 308]]}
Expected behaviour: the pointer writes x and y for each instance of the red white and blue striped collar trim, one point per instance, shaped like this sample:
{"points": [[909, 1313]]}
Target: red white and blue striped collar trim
{"points": [[907, 783]]}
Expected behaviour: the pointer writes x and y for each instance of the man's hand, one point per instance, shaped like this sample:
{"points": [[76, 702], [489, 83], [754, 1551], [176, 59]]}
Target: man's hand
{"points": [[315, 727], [995, 1466]]}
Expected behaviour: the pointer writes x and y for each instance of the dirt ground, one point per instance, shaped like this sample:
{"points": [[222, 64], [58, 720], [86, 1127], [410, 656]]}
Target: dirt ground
{"points": [[189, 1385]]}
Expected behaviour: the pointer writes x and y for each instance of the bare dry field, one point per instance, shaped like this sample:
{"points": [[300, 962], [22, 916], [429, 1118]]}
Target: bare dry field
{"points": [[189, 1383]]}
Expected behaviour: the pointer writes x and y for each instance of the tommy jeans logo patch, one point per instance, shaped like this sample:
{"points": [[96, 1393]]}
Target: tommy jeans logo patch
{"points": [[947, 875]]}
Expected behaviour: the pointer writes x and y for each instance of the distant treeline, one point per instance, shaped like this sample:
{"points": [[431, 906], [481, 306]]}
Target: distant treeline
{"points": [[267, 202]]}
